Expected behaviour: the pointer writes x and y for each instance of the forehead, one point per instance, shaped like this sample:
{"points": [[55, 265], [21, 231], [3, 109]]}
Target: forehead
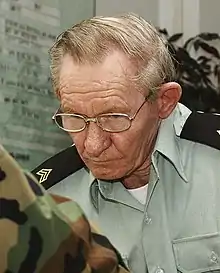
{"points": [[92, 89], [113, 72]]}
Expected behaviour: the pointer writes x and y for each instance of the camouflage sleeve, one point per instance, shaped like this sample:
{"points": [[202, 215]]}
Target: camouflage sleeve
{"points": [[36, 236]]}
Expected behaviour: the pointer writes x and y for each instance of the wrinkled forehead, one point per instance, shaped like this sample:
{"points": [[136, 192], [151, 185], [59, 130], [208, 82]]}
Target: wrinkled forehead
{"points": [[114, 70], [91, 89]]}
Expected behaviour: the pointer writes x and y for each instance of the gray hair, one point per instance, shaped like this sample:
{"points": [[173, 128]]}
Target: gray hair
{"points": [[93, 39]]}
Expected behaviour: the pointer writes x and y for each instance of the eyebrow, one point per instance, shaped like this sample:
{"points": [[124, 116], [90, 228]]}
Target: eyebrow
{"points": [[111, 109], [66, 109], [116, 109]]}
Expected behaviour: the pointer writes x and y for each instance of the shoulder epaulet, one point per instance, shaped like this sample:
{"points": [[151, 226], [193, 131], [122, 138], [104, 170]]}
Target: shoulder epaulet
{"points": [[58, 167], [203, 128]]}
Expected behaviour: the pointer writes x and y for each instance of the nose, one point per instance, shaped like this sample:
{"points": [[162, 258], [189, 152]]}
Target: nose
{"points": [[96, 140]]}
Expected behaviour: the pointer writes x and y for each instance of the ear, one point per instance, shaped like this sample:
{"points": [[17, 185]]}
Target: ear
{"points": [[168, 97]]}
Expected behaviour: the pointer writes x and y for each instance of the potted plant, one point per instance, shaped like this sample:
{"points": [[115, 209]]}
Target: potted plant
{"points": [[197, 64]]}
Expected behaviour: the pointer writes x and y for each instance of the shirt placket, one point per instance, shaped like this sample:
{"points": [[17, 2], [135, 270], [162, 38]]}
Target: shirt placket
{"points": [[156, 241]]}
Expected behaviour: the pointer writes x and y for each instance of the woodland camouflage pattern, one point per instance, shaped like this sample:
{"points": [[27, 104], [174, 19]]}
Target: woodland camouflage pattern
{"points": [[35, 236]]}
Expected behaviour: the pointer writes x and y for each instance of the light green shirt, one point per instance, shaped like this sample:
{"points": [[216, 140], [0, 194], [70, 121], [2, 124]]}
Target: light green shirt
{"points": [[178, 229]]}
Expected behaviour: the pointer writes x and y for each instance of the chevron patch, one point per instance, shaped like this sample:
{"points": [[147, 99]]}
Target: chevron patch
{"points": [[43, 173]]}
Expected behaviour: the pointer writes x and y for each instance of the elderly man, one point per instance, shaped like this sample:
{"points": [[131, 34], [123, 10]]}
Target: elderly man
{"points": [[144, 168]]}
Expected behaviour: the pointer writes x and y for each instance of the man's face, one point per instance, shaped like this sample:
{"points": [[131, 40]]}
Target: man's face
{"points": [[91, 90]]}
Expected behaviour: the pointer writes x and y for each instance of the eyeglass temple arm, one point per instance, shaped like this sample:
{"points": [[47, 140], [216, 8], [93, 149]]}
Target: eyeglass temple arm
{"points": [[53, 117], [145, 100]]}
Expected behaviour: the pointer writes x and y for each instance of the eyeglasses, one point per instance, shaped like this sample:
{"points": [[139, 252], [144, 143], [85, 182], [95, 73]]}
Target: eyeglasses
{"points": [[110, 122]]}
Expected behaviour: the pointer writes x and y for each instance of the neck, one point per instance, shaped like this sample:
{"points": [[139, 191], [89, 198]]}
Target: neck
{"points": [[141, 175], [139, 178]]}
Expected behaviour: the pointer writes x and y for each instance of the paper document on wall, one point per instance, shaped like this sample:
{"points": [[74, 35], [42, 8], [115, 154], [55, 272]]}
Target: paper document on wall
{"points": [[27, 30]]}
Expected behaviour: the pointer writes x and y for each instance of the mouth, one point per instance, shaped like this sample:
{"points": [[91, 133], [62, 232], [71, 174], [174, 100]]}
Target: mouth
{"points": [[98, 161]]}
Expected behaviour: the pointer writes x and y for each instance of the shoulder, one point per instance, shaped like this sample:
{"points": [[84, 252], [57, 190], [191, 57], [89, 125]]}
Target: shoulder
{"points": [[203, 128], [198, 148], [199, 145], [58, 167]]}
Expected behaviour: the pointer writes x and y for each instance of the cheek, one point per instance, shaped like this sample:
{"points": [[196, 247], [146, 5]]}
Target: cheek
{"points": [[78, 140], [137, 141], [127, 143]]}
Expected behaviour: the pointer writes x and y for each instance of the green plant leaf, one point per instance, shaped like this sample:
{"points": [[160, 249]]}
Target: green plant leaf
{"points": [[203, 60], [196, 45], [175, 37], [217, 70], [163, 31], [188, 42], [210, 49], [209, 36]]}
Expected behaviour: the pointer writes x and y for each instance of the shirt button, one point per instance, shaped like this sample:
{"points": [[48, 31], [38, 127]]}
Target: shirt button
{"points": [[147, 219], [214, 258], [159, 270], [125, 259], [107, 188]]}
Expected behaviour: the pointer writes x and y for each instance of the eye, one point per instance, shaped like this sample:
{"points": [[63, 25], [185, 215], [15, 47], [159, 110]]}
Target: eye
{"points": [[70, 122], [114, 122]]}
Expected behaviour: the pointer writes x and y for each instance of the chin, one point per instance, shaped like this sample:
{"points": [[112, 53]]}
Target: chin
{"points": [[107, 174]]}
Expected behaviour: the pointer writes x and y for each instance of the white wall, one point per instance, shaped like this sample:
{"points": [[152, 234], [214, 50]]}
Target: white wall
{"points": [[200, 16], [210, 16], [73, 11], [145, 8], [170, 15], [190, 18], [187, 16]]}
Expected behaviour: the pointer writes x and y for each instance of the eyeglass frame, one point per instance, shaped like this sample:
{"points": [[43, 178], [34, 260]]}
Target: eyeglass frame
{"points": [[95, 119]]}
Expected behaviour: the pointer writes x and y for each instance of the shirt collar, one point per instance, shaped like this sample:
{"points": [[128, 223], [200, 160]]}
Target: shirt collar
{"points": [[114, 191], [168, 137]]}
